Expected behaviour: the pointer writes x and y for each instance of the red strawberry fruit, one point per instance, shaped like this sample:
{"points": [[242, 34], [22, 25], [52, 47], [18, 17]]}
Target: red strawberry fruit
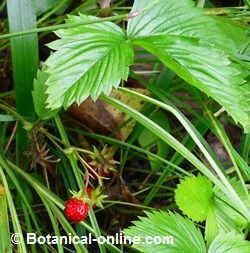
{"points": [[76, 210]]}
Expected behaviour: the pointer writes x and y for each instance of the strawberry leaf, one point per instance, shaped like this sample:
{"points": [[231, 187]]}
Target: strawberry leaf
{"points": [[194, 196], [39, 97], [206, 58], [89, 60], [187, 238], [182, 18], [207, 68]]}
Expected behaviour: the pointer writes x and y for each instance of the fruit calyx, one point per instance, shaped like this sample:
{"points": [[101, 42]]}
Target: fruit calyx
{"points": [[102, 162], [93, 197]]}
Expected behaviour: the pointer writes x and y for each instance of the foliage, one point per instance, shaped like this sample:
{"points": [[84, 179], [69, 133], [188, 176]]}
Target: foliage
{"points": [[172, 147], [182, 44], [229, 243], [88, 60], [39, 97], [186, 237], [194, 196]]}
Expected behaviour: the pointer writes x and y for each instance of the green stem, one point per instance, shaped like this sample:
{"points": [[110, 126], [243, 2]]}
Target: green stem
{"points": [[14, 113], [95, 225], [72, 158], [73, 161], [48, 14], [62, 26], [141, 150], [128, 204]]}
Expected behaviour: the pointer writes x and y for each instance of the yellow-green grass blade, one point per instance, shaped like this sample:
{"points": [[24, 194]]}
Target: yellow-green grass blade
{"points": [[5, 245]]}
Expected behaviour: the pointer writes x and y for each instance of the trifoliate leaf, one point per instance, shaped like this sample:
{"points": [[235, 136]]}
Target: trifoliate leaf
{"points": [[39, 97], [229, 243], [194, 196], [186, 237], [89, 60]]}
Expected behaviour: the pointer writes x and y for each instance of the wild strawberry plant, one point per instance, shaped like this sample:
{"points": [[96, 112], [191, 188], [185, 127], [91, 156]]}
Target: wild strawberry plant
{"points": [[91, 59], [206, 54]]}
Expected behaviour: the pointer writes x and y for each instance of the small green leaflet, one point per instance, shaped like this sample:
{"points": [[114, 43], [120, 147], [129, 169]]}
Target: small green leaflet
{"points": [[187, 238], [89, 60], [39, 97], [194, 196]]}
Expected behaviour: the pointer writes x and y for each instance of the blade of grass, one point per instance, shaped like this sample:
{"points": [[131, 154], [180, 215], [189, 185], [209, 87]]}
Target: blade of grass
{"points": [[196, 136], [245, 147], [177, 159], [28, 224], [224, 184], [57, 6], [5, 245], [61, 26], [15, 221], [221, 133], [44, 5], [20, 191], [54, 223], [24, 52]]}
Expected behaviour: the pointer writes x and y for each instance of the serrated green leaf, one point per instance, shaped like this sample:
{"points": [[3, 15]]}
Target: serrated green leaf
{"points": [[187, 238], [89, 60], [202, 57], [207, 68], [229, 243], [194, 196], [39, 97], [182, 18]]}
